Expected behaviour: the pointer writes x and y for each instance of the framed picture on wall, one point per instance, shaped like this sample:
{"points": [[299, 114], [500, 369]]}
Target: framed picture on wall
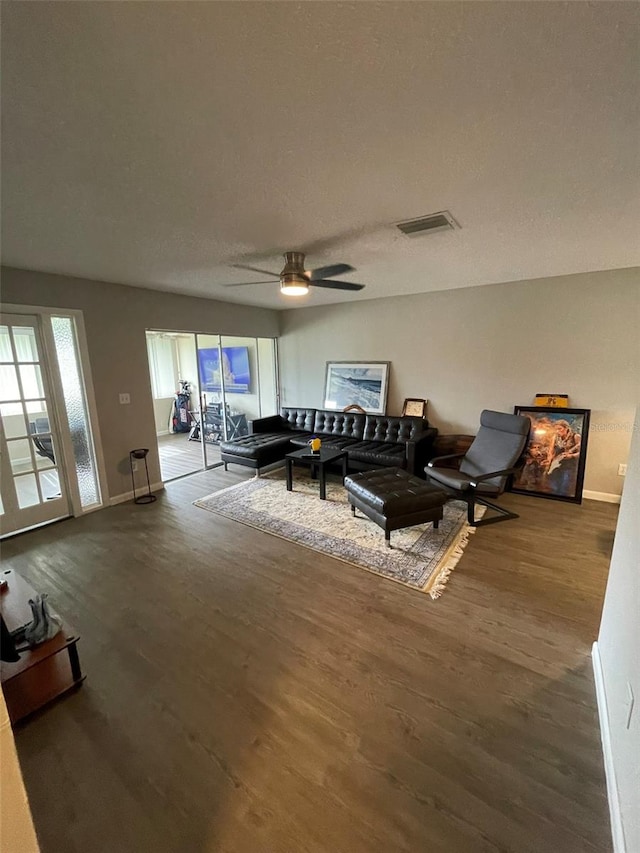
{"points": [[555, 453], [363, 383]]}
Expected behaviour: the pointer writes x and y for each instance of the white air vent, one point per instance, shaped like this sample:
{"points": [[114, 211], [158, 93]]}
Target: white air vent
{"points": [[442, 221]]}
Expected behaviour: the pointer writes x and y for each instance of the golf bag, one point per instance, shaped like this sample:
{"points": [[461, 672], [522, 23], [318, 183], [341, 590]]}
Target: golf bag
{"points": [[180, 417]]}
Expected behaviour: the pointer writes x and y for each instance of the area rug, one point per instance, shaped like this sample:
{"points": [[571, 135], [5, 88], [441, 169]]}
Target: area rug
{"points": [[420, 557]]}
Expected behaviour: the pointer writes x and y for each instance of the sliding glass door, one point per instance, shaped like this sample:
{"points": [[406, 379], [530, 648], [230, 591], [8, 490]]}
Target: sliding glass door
{"points": [[238, 383], [211, 409], [220, 384]]}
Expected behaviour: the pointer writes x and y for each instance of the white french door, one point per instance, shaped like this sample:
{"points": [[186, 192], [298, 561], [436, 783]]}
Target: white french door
{"points": [[33, 489]]}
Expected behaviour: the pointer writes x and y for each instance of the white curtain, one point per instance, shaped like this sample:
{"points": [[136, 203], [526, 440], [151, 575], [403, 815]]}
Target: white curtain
{"points": [[162, 365]]}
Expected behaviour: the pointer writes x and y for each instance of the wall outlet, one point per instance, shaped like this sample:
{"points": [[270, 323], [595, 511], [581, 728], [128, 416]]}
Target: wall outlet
{"points": [[134, 465], [622, 469], [125, 399]]}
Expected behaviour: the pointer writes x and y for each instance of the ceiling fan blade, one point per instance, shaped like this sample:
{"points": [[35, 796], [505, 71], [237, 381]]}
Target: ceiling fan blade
{"points": [[337, 285], [246, 283], [275, 275], [328, 272]]}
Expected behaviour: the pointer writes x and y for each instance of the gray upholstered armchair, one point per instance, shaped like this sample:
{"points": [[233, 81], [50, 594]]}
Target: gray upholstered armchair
{"points": [[485, 467]]}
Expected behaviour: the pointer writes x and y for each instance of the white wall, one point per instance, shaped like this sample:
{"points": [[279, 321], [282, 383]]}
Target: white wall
{"points": [[619, 657], [489, 347]]}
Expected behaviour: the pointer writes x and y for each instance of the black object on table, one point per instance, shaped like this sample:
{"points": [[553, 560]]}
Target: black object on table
{"points": [[8, 651], [141, 453], [320, 460]]}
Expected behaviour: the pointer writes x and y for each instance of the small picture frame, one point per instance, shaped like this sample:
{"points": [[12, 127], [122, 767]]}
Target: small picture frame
{"points": [[414, 407]]}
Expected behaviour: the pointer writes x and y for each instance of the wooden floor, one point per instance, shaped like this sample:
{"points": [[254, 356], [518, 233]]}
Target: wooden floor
{"points": [[245, 695], [179, 456]]}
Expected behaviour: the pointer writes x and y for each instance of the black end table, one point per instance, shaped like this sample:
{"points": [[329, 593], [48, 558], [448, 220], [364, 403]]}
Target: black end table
{"points": [[318, 462]]}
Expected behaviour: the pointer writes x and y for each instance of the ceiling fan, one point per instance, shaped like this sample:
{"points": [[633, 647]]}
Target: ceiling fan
{"points": [[295, 280]]}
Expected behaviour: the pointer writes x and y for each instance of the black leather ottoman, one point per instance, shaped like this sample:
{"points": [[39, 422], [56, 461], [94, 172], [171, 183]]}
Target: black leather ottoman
{"points": [[255, 451], [394, 499]]}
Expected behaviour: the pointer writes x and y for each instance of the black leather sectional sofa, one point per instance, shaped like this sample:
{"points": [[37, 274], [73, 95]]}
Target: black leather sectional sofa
{"points": [[371, 441]]}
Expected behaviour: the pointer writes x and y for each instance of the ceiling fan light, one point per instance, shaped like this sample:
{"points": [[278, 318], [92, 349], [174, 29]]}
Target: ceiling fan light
{"points": [[292, 284]]}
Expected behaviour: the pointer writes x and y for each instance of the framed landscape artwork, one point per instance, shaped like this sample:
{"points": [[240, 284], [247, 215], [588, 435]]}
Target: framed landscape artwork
{"points": [[363, 383], [555, 454]]}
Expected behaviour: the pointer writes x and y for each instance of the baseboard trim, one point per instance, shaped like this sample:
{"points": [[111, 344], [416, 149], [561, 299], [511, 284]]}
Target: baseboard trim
{"points": [[606, 497], [617, 829], [128, 496]]}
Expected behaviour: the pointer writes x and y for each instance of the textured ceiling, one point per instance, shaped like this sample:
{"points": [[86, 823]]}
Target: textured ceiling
{"points": [[155, 144]]}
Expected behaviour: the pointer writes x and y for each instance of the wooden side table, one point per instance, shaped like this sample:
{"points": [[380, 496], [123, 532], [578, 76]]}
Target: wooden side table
{"points": [[43, 673]]}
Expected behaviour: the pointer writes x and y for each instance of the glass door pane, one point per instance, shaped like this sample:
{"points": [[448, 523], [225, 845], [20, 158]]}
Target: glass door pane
{"points": [[213, 411], [86, 469], [249, 381], [232, 381], [268, 377], [32, 489], [173, 369], [240, 383]]}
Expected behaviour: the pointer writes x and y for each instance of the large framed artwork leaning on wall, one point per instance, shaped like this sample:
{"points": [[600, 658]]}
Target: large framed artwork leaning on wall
{"points": [[556, 452], [364, 383]]}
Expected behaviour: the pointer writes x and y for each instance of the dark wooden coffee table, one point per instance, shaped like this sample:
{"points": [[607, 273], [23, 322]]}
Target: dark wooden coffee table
{"points": [[44, 672], [318, 462]]}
